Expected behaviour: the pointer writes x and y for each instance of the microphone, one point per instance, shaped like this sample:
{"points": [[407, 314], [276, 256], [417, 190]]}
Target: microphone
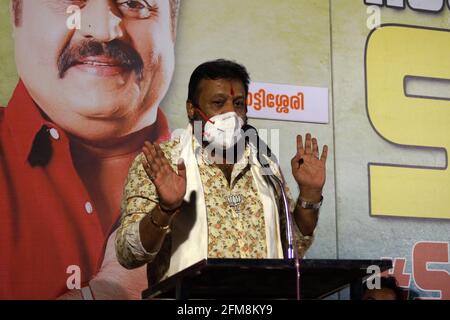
{"points": [[252, 137]]}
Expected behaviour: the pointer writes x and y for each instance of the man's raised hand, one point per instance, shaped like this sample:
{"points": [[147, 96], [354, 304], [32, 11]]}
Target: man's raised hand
{"points": [[171, 186], [308, 168]]}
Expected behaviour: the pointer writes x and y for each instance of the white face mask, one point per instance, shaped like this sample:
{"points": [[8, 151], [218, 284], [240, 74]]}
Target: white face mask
{"points": [[223, 130]]}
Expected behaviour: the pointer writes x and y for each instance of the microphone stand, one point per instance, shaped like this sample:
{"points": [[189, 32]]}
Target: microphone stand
{"points": [[292, 250]]}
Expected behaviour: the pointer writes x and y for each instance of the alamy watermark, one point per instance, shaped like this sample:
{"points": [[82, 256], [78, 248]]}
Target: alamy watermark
{"points": [[74, 279], [374, 281], [74, 20]]}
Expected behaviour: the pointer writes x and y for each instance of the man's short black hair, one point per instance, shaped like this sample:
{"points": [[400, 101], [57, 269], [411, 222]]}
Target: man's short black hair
{"points": [[214, 70]]}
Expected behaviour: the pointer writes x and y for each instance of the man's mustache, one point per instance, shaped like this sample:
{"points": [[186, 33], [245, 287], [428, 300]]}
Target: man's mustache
{"points": [[117, 50]]}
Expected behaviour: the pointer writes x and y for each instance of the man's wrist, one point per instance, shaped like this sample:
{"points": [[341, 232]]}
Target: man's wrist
{"points": [[310, 195], [309, 204], [160, 218], [169, 210]]}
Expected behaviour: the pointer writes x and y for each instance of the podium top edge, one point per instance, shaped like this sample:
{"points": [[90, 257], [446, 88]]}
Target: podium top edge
{"points": [[317, 263]]}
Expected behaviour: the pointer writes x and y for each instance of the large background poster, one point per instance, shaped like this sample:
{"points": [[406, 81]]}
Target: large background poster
{"points": [[347, 47]]}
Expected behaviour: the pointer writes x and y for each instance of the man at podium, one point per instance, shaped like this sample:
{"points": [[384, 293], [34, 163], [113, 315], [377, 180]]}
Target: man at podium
{"points": [[205, 194]]}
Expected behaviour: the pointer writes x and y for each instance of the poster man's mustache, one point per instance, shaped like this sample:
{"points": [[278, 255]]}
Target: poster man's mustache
{"points": [[116, 50]]}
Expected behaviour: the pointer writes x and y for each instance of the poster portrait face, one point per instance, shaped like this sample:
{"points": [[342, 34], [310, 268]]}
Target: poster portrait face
{"points": [[104, 79]]}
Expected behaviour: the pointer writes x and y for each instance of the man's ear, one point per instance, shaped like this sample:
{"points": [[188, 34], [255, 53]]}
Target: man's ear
{"points": [[190, 110]]}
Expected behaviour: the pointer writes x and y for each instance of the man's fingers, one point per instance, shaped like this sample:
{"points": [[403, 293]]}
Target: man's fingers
{"points": [[300, 149], [156, 157], [181, 166], [147, 169], [160, 153], [324, 153], [158, 150], [146, 151], [162, 160], [149, 151], [308, 144], [153, 160], [148, 159], [315, 148]]}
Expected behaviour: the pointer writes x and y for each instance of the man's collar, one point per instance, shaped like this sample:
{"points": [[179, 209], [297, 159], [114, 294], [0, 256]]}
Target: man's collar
{"points": [[25, 121]]}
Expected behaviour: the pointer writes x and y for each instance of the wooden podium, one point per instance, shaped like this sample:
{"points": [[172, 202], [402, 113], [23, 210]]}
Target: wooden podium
{"points": [[265, 279]]}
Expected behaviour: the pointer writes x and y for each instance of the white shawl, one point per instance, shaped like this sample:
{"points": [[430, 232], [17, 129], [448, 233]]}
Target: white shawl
{"points": [[190, 226]]}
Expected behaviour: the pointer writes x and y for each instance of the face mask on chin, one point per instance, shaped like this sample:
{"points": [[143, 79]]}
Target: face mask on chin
{"points": [[223, 130]]}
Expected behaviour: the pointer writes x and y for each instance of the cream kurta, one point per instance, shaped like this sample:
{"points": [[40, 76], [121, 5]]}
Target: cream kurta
{"points": [[207, 225]]}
